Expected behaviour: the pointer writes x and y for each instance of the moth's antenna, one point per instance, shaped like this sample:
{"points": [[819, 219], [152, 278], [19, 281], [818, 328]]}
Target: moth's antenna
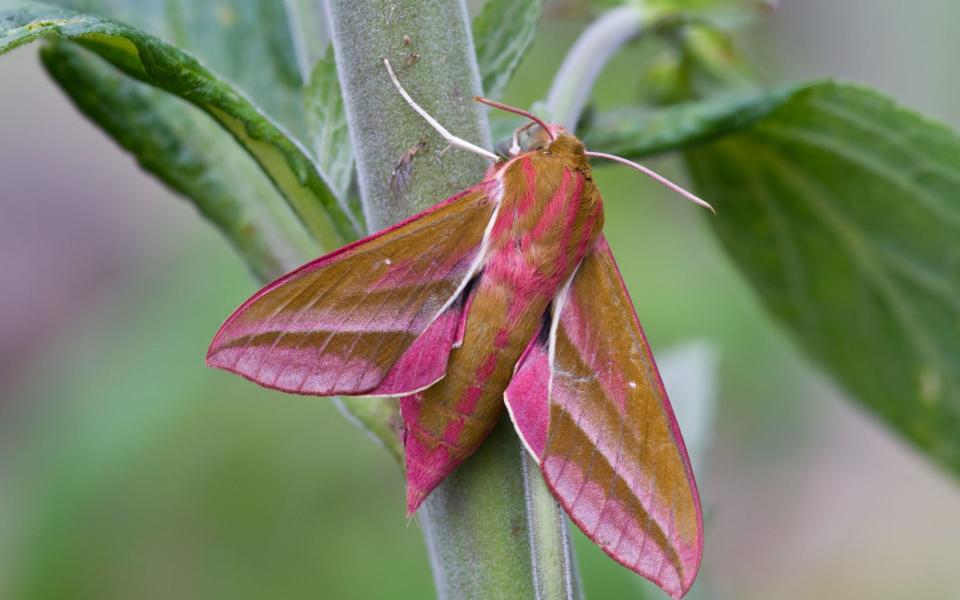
{"points": [[451, 139], [655, 176], [516, 111]]}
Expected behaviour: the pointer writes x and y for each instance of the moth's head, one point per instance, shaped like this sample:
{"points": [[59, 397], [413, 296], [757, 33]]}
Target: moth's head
{"points": [[532, 137], [535, 135], [540, 136]]}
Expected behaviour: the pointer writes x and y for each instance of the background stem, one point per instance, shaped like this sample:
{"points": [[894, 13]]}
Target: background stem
{"points": [[592, 51], [492, 531]]}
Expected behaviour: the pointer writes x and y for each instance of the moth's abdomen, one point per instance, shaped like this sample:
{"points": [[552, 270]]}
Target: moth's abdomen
{"points": [[447, 422]]}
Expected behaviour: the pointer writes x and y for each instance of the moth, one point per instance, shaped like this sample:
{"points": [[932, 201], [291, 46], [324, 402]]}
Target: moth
{"points": [[504, 296]]}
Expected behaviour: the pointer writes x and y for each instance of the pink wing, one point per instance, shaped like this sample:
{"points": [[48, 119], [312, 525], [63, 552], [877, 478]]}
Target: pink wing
{"points": [[589, 404], [376, 317]]}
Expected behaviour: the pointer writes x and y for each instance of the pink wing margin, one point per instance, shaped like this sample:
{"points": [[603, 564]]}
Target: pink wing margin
{"points": [[588, 402], [377, 317]]}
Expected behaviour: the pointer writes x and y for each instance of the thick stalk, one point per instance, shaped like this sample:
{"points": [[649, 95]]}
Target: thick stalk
{"points": [[492, 532], [399, 163]]}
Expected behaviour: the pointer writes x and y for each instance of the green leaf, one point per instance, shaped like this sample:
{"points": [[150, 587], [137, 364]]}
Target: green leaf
{"points": [[327, 124], [186, 150], [253, 44], [149, 15], [307, 20], [166, 67], [843, 210], [638, 132], [502, 34], [267, 49]]}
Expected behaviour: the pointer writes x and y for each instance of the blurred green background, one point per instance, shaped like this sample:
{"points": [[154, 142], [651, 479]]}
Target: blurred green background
{"points": [[128, 470]]}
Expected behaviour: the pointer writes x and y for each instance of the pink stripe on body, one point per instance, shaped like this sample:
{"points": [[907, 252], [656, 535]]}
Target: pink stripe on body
{"points": [[533, 248]]}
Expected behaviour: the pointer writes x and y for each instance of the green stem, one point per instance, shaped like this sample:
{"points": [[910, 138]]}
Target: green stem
{"points": [[492, 531], [429, 45], [589, 55], [185, 149]]}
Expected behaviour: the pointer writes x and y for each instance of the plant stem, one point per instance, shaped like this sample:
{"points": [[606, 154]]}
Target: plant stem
{"points": [[492, 528], [592, 51], [429, 46]]}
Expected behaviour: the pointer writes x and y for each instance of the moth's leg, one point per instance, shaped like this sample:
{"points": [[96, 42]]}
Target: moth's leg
{"points": [[452, 139]]}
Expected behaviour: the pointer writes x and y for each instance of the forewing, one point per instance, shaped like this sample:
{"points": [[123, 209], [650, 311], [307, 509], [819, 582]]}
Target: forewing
{"points": [[589, 404], [376, 317]]}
